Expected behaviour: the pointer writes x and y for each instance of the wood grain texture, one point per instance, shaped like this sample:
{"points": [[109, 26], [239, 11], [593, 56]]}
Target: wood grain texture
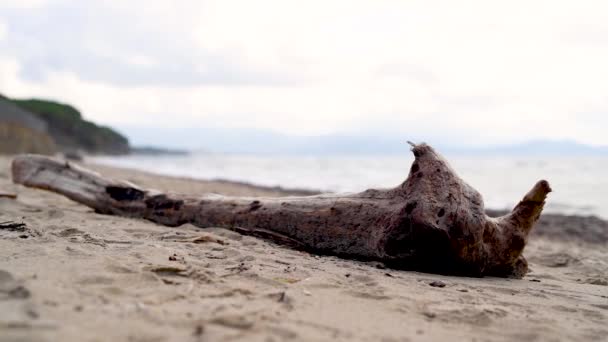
{"points": [[432, 222]]}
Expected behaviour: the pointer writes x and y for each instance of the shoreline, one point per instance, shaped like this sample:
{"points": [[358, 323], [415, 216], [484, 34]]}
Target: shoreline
{"points": [[584, 228], [501, 181], [262, 190], [73, 275]]}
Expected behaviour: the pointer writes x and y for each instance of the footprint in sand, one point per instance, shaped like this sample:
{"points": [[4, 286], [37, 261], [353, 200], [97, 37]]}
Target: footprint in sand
{"points": [[77, 235], [76, 252], [16, 309], [366, 287], [55, 214], [10, 288], [362, 279]]}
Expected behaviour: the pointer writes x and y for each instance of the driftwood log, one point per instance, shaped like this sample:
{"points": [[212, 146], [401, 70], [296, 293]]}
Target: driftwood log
{"points": [[432, 222]]}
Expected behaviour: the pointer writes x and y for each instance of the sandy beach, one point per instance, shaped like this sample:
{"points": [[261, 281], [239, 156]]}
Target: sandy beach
{"points": [[70, 274]]}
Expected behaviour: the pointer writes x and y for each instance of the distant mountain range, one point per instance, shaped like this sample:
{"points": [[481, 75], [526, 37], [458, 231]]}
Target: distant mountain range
{"points": [[255, 141], [44, 126], [539, 147]]}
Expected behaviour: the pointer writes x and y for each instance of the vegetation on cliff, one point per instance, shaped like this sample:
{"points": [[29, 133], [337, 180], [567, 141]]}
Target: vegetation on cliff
{"points": [[71, 132]]}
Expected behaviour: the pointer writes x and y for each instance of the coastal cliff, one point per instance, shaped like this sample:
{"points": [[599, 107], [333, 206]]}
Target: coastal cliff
{"points": [[46, 127], [22, 131]]}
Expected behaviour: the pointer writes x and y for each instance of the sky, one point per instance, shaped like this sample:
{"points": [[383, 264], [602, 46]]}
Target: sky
{"points": [[465, 72]]}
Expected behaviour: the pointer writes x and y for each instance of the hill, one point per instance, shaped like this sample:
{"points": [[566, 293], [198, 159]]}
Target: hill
{"points": [[22, 131], [259, 141], [71, 132]]}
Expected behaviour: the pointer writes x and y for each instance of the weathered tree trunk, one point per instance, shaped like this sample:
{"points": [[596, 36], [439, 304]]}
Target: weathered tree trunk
{"points": [[432, 222]]}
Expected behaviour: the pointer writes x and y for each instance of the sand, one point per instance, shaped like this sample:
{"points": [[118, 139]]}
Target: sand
{"points": [[72, 275]]}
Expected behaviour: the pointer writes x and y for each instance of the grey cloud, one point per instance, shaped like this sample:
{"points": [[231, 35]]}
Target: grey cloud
{"points": [[59, 38]]}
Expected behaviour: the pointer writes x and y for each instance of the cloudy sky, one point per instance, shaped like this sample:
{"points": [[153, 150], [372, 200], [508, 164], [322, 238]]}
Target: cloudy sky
{"points": [[472, 72]]}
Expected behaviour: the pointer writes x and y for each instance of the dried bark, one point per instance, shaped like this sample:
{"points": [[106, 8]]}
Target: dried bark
{"points": [[432, 222]]}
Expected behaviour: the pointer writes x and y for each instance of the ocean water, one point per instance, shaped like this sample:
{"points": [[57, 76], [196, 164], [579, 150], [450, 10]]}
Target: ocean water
{"points": [[580, 184]]}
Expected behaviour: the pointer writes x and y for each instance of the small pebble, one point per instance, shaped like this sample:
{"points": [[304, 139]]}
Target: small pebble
{"points": [[199, 330], [430, 314], [437, 283]]}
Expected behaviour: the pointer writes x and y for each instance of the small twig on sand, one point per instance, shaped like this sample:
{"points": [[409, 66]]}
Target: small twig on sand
{"points": [[13, 226], [8, 195]]}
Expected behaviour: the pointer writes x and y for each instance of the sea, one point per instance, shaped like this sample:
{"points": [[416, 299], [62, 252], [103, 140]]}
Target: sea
{"points": [[580, 184]]}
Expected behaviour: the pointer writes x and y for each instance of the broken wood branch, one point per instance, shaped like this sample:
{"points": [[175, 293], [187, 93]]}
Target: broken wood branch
{"points": [[12, 226], [433, 221]]}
